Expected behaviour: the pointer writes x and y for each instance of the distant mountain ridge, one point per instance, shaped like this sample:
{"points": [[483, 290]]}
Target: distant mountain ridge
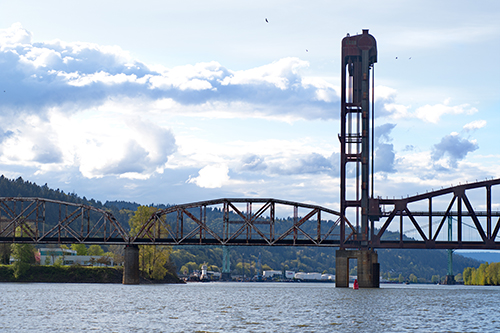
{"points": [[482, 256]]}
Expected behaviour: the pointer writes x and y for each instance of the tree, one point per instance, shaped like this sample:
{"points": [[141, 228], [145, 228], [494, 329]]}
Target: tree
{"points": [[81, 249], [24, 257], [191, 266], [104, 260], [117, 253], [184, 270], [468, 275], [152, 258], [401, 278], [140, 217], [95, 250], [413, 278], [266, 267], [5, 252]]}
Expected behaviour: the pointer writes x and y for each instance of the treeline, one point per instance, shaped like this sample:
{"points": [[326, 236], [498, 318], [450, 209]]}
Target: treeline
{"points": [[424, 264], [485, 275], [395, 265], [121, 210]]}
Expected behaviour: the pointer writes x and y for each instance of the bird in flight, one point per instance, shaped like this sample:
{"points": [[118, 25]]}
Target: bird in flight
{"points": [[267, 20]]}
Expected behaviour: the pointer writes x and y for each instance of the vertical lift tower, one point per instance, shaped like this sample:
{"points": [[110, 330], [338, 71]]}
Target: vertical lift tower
{"points": [[359, 53]]}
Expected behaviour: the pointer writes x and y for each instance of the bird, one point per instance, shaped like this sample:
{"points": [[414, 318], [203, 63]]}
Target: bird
{"points": [[307, 50], [396, 57], [267, 20]]}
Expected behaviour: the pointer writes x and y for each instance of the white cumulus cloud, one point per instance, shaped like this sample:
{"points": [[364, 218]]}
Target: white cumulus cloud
{"points": [[211, 176], [432, 113], [476, 124]]}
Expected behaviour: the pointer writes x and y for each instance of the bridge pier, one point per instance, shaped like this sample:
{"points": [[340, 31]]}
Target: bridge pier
{"points": [[368, 268], [226, 264], [131, 265]]}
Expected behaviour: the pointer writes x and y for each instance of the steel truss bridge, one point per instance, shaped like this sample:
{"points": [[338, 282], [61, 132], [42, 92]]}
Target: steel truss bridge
{"points": [[412, 222]]}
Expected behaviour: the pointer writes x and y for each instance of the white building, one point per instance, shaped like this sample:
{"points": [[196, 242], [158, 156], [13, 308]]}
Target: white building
{"points": [[48, 256], [270, 274]]}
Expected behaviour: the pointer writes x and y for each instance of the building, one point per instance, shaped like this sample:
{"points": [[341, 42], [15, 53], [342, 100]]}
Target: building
{"points": [[48, 256]]}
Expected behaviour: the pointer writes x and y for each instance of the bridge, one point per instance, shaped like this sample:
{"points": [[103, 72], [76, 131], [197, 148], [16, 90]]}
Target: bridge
{"points": [[363, 224], [268, 222]]}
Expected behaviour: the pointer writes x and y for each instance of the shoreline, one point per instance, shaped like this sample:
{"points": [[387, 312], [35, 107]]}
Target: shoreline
{"points": [[75, 274]]}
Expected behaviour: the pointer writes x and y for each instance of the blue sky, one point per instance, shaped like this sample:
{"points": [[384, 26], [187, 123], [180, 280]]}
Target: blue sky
{"points": [[173, 102]]}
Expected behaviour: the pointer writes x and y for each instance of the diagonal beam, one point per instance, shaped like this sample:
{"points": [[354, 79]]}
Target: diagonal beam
{"points": [[444, 217], [495, 232], [415, 223], [474, 217], [387, 223], [297, 224], [336, 223], [202, 225]]}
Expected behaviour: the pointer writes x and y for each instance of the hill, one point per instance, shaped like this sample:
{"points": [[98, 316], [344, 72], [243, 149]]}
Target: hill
{"points": [[244, 259], [482, 256]]}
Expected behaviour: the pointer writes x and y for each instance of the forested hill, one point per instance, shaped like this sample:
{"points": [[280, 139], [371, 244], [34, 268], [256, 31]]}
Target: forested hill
{"points": [[422, 263], [22, 188]]}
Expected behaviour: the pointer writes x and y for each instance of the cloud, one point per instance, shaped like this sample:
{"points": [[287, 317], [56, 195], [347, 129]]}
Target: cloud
{"points": [[77, 76], [295, 164], [476, 124], [432, 113], [16, 34], [211, 176], [386, 106], [107, 145], [137, 149], [384, 151], [452, 148]]}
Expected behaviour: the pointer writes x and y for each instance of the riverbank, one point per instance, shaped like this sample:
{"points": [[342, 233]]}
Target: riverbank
{"points": [[75, 274]]}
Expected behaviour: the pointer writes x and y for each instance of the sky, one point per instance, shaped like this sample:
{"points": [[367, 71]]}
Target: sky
{"points": [[171, 102]]}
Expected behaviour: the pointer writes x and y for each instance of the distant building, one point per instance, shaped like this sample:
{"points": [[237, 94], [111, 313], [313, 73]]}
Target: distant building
{"points": [[48, 256], [270, 274]]}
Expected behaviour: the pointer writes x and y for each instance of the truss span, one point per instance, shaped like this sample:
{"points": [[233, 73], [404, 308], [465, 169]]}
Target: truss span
{"points": [[45, 221], [250, 221], [466, 216]]}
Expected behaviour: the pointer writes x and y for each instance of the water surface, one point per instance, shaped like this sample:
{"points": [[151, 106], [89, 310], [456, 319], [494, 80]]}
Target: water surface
{"points": [[247, 307]]}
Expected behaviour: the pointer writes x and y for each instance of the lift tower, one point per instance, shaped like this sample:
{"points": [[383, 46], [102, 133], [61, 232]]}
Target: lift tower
{"points": [[359, 53]]}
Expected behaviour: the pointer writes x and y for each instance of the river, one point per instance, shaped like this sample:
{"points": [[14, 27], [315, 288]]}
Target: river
{"points": [[247, 307]]}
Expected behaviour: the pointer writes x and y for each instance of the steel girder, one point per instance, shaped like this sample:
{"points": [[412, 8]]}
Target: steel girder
{"points": [[42, 221], [239, 221], [469, 205]]}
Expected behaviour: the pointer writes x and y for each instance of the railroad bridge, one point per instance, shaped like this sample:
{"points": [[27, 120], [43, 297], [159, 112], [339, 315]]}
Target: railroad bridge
{"points": [[363, 224]]}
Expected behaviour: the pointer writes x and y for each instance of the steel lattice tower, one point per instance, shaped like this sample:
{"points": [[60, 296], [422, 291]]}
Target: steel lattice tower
{"points": [[359, 53]]}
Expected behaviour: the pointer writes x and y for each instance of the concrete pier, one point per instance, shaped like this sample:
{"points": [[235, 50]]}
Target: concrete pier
{"points": [[368, 268], [131, 265]]}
